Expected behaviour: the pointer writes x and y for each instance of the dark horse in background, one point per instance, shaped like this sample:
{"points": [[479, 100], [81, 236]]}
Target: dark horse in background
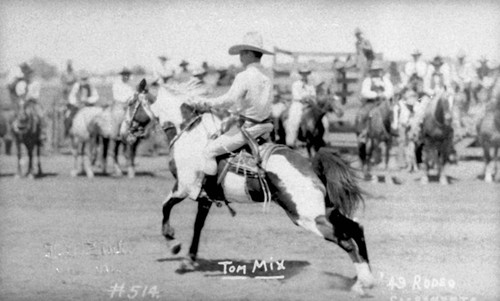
{"points": [[372, 130], [306, 125], [437, 136], [27, 130], [489, 131]]}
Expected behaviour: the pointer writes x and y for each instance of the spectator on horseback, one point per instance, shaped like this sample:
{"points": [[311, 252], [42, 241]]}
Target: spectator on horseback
{"points": [[68, 79], [364, 51], [163, 71], [251, 97], [415, 70], [463, 75], [185, 74], [28, 89], [122, 90], [375, 89], [302, 90], [83, 93], [437, 79]]}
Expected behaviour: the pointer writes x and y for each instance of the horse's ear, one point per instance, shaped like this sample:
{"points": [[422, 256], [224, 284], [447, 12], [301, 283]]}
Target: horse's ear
{"points": [[142, 85]]}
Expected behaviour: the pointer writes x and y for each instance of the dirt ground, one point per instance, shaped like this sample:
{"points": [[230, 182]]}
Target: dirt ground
{"points": [[66, 238]]}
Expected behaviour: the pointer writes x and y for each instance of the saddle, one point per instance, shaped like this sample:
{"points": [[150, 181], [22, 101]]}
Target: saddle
{"points": [[245, 163]]}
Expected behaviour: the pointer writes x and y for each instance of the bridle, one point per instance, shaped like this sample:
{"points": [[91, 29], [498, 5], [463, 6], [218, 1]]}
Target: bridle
{"points": [[134, 130]]}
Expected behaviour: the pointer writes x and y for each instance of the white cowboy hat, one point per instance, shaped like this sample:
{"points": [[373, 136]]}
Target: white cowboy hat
{"points": [[251, 41], [461, 53], [199, 71], [125, 71], [304, 70], [416, 52]]}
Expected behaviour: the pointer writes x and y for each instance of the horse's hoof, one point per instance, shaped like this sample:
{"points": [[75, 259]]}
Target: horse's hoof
{"points": [[74, 173], [176, 248], [357, 288], [188, 264], [443, 181], [31, 176], [424, 180], [131, 173], [17, 176], [364, 275], [488, 178], [374, 179], [90, 175]]}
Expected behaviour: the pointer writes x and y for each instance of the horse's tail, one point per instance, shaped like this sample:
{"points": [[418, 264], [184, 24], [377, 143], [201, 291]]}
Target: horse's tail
{"points": [[340, 181]]}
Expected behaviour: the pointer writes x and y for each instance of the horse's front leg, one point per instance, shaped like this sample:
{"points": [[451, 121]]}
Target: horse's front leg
{"points": [[104, 158], [204, 205], [168, 231], [426, 154], [86, 152], [19, 150], [487, 159], [75, 152], [116, 165], [38, 155], [132, 150], [29, 172]]}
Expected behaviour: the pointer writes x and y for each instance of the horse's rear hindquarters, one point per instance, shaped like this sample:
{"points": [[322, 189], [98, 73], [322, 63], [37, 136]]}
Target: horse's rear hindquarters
{"points": [[298, 189]]}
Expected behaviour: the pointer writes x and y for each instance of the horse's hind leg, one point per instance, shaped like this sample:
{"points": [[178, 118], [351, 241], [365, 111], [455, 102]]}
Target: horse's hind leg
{"points": [[349, 235]]}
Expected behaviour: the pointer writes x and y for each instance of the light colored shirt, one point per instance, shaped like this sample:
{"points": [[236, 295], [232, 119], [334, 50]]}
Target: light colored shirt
{"points": [[28, 90], [463, 73], [163, 70], [302, 91], [419, 67], [251, 93], [77, 96], [434, 83], [122, 92], [370, 86]]}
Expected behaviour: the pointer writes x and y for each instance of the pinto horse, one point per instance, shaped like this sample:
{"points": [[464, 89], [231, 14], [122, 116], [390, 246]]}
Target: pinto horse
{"points": [[302, 189], [489, 132], [27, 130]]}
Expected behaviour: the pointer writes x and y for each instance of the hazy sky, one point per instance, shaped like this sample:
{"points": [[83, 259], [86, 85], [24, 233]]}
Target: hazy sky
{"points": [[103, 35]]}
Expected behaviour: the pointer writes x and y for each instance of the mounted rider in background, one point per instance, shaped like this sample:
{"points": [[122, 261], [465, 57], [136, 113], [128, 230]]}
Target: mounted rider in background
{"points": [[27, 92], [82, 94]]}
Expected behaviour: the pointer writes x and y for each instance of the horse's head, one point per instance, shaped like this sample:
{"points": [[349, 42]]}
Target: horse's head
{"points": [[443, 113], [139, 115], [25, 117]]}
